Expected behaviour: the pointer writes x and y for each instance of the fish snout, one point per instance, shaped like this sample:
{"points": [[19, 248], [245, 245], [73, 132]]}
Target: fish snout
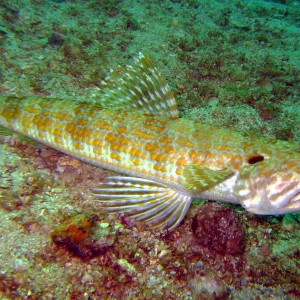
{"points": [[270, 189]]}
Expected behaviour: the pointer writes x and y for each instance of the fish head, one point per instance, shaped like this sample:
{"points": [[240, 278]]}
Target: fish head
{"points": [[270, 187]]}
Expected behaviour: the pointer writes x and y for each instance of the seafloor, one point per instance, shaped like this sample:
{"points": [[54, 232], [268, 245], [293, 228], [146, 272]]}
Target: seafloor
{"points": [[232, 63]]}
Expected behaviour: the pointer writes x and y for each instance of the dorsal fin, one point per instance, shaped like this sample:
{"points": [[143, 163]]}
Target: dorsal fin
{"points": [[138, 86]]}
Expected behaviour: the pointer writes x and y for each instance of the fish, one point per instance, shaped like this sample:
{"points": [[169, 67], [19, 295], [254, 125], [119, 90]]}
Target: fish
{"points": [[131, 125]]}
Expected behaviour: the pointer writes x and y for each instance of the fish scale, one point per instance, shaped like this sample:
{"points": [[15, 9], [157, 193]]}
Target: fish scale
{"points": [[168, 160]]}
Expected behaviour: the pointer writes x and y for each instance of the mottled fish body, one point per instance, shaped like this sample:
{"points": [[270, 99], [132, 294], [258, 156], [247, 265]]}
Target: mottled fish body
{"points": [[133, 128]]}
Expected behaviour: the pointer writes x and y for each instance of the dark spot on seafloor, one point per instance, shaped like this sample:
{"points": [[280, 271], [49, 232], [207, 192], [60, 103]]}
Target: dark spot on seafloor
{"points": [[56, 39], [10, 15], [131, 25], [59, 1], [255, 159], [1, 74], [219, 229]]}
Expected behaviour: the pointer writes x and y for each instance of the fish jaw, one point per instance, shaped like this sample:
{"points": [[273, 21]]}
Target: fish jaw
{"points": [[270, 187]]}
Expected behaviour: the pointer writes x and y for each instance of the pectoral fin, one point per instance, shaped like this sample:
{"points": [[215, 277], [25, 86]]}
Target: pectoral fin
{"points": [[153, 203], [198, 177]]}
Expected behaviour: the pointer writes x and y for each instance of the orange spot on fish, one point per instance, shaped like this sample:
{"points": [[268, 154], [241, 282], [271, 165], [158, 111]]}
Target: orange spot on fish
{"points": [[111, 137], [160, 168], [122, 129], [116, 156], [97, 143], [58, 140], [42, 135], [165, 139], [139, 153], [193, 154], [102, 125], [116, 147], [45, 114], [58, 130], [179, 171], [157, 129], [159, 157], [183, 142], [81, 122], [98, 151], [86, 132], [119, 119], [137, 161], [98, 135], [46, 103], [182, 161], [11, 112], [169, 149], [26, 130], [62, 116], [26, 123], [143, 134], [31, 109], [124, 141], [151, 147], [77, 146], [70, 127], [43, 123]]}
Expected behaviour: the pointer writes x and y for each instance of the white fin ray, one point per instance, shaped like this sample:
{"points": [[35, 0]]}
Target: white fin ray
{"points": [[179, 212], [139, 86], [134, 206], [154, 203], [152, 212]]}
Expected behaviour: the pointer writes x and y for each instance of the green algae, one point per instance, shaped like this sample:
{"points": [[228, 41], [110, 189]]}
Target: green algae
{"points": [[126, 265]]}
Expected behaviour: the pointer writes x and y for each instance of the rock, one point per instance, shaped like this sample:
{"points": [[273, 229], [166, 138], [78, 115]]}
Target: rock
{"points": [[219, 229]]}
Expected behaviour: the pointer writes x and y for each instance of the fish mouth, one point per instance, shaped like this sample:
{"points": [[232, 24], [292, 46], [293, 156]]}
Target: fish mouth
{"points": [[294, 202], [295, 198]]}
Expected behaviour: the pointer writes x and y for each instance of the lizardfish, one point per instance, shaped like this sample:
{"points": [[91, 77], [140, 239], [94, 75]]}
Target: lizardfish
{"points": [[132, 127]]}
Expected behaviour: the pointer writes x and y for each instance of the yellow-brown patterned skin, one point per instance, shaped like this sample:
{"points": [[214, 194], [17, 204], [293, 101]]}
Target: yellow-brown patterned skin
{"points": [[132, 142]]}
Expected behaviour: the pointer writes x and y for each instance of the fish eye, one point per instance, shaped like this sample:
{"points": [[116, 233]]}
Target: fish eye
{"points": [[255, 159]]}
